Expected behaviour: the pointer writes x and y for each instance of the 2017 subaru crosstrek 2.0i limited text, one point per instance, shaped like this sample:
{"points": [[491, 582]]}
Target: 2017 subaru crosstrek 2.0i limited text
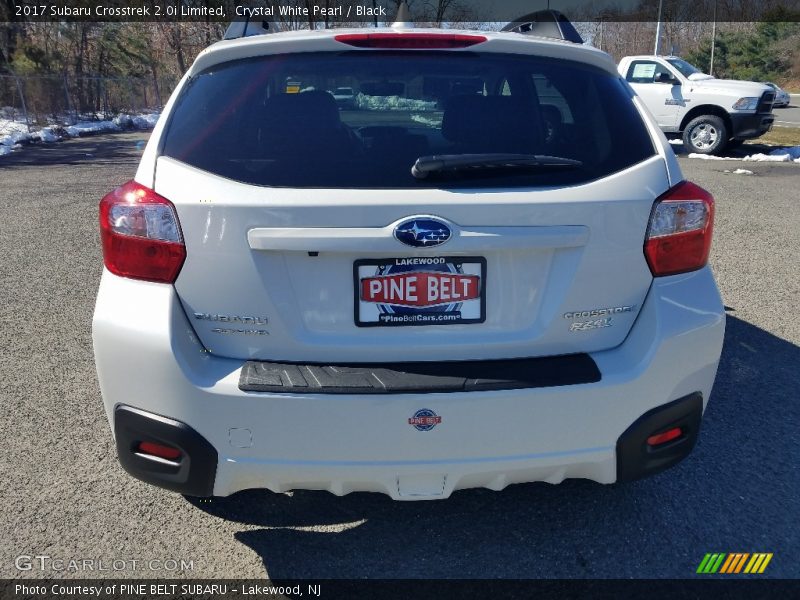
{"points": [[485, 269]]}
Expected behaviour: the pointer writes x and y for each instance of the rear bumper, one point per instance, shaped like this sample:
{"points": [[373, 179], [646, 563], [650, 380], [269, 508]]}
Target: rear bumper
{"points": [[149, 359], [747, 126], [194, 473]]}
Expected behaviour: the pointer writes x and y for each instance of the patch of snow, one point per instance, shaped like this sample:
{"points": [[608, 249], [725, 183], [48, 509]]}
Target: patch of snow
{"points": [[84, 127], [771, 157], [783, 155], [676, 142], [14, 131], [141, 121], [793, 152], [46, 135], [146, 121], [739, 172], [710, 157], [366, 102], [428, 121], [123, 121]]}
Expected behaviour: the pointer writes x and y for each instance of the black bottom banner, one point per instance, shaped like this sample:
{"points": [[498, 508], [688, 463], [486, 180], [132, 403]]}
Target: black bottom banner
{"points": [[412, 589]]}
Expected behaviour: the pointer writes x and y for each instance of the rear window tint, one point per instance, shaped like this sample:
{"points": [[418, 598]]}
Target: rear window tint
{"points": [[361, 119]]}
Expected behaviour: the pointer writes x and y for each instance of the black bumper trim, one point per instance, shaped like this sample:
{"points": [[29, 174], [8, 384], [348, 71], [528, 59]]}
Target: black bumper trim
{"points": [[636, 459], [418, 377], [193, 474], [746, 126]]}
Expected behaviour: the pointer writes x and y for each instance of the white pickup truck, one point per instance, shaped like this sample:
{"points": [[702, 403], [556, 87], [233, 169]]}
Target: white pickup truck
{"points": [[710, 114]]}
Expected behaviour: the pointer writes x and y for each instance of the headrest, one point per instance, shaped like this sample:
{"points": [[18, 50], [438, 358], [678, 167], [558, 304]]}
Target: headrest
{"points": [[314, 109], [501, 123]]}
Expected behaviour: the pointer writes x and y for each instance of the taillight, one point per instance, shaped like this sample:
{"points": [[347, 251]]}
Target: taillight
{"points": [[141, 235], [410, 40], [679, 234]]}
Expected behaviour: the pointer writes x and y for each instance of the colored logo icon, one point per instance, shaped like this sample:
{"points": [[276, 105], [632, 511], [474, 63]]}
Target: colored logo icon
{"points": [[735, 562], [425, 419]]}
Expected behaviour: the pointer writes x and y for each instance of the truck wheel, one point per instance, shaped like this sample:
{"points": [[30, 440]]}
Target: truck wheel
{"points": [[705, 134]]}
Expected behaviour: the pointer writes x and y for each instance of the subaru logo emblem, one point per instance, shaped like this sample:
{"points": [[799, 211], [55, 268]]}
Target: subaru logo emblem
{"points": [[422, 232]]}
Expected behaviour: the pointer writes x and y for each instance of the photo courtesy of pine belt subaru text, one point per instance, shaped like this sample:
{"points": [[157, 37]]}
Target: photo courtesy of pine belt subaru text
{"points": [[407, 261]]}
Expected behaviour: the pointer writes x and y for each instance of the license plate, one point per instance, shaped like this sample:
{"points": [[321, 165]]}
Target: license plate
{"points": [[438, 290]]}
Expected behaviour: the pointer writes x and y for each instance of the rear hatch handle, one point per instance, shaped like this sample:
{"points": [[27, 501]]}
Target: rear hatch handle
{"points": [[381, 239]]}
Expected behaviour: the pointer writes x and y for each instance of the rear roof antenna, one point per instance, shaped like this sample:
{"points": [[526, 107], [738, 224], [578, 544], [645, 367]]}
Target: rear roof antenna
{"points": [[547, 24], [403, 18], [247, 28]]}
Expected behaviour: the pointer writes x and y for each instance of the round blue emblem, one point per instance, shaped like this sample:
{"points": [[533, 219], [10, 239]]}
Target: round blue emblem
{"points": [[422, 232], [424, 419]]}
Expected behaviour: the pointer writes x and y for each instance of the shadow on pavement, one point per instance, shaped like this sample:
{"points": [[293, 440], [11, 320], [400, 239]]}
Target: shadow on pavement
{"points": [[99, 150], [733, 494]]}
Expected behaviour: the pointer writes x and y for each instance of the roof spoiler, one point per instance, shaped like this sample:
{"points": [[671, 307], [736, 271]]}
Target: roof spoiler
{"points": [[546, 23]]}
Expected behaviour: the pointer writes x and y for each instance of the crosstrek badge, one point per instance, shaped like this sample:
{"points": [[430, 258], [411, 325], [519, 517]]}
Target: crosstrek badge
{"points": [[420, 288]]}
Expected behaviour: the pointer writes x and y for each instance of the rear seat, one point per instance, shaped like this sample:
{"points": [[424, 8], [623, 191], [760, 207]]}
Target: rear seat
{"points": [[492, 124], [303, 124]]}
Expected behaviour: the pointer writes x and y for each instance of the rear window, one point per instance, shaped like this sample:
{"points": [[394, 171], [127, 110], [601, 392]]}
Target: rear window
{"points": [[361, 119]]}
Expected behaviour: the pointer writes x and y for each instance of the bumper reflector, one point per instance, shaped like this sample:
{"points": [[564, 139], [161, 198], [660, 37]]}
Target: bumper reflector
{"points": [[663, 438], [640, 452], [159, 450]]}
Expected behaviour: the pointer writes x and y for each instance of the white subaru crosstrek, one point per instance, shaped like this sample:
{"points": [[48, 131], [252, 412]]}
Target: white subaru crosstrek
{"points": [[487, 269]]}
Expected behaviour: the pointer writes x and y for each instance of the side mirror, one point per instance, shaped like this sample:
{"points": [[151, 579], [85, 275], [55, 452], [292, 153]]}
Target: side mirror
{"points": [[666, 78]]}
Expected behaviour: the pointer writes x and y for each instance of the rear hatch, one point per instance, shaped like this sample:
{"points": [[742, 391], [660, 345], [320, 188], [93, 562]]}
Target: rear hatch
{"points": [[308, 238]]}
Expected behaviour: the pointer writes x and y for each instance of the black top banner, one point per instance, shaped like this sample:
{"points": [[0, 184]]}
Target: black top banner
{"points": [[316, 13]]}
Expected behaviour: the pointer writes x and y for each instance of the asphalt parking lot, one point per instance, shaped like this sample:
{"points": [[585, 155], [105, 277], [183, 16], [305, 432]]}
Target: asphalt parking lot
{"points": [[790, 115], [64, 495]]}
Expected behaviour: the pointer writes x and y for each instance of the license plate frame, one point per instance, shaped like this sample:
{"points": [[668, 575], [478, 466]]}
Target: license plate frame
{"points": [[458, 269]]}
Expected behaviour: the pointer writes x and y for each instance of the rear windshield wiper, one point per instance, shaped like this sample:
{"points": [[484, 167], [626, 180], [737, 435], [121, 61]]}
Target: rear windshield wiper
{"points": [[426, 165]]}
